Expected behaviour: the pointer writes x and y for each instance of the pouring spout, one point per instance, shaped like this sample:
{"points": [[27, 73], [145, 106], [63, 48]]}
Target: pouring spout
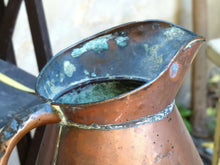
{"points": [[155, 52], [190, 44], [138, 50], [197, 42], [183, 59]]}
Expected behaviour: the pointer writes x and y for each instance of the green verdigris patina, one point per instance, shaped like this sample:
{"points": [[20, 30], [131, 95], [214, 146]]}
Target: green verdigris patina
{"points": [[98, 92], [122, 41], [153, 56], [68, 68], [99, 44], [157, 57], [173, 32]]}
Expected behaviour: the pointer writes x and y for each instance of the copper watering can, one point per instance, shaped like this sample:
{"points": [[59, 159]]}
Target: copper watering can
{"points": [[112, 96]]}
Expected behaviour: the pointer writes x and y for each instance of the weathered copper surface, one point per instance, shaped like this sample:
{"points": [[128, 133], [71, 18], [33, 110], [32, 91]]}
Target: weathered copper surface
{"points": [[141, 126], [23, 123], [164, 142]]}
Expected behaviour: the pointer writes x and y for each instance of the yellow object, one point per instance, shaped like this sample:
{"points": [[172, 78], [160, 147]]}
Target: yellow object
{"points": [[9, 81], [215, 79], [208, 145]]}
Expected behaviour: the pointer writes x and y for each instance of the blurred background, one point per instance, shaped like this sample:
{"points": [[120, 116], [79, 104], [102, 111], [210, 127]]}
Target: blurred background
{"points": [[70, 21]]}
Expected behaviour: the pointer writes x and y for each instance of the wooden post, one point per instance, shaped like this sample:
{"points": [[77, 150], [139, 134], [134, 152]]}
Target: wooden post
{"points": [[39, 31], [216, 153], [199, 72], [41, 41], [8, 16], [213, 52]]}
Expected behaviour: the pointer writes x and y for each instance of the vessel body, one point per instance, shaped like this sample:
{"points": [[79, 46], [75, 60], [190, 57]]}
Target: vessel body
{"points": [[99, 125]]}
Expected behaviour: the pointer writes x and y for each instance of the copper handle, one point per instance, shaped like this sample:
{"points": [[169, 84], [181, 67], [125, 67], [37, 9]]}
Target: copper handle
{"points": [[21, 124]]}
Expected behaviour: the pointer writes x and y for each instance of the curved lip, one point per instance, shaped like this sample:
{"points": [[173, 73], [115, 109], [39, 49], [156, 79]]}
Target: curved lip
{"points": [[145, 85]]}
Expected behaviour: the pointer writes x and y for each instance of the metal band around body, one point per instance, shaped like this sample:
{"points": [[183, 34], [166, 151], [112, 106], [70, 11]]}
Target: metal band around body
{"points": [[128, 124]]}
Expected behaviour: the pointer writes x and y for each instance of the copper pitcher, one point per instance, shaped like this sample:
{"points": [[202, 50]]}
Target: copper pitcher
{"points": [[112, 97]]}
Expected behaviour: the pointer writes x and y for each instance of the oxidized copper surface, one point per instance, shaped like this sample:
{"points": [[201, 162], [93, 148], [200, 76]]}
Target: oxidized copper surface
{"points": [[163, 142], [141, 126]]}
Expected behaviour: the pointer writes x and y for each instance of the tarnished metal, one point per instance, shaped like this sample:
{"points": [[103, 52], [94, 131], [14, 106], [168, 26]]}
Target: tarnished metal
{"points": [[112, 95]]}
